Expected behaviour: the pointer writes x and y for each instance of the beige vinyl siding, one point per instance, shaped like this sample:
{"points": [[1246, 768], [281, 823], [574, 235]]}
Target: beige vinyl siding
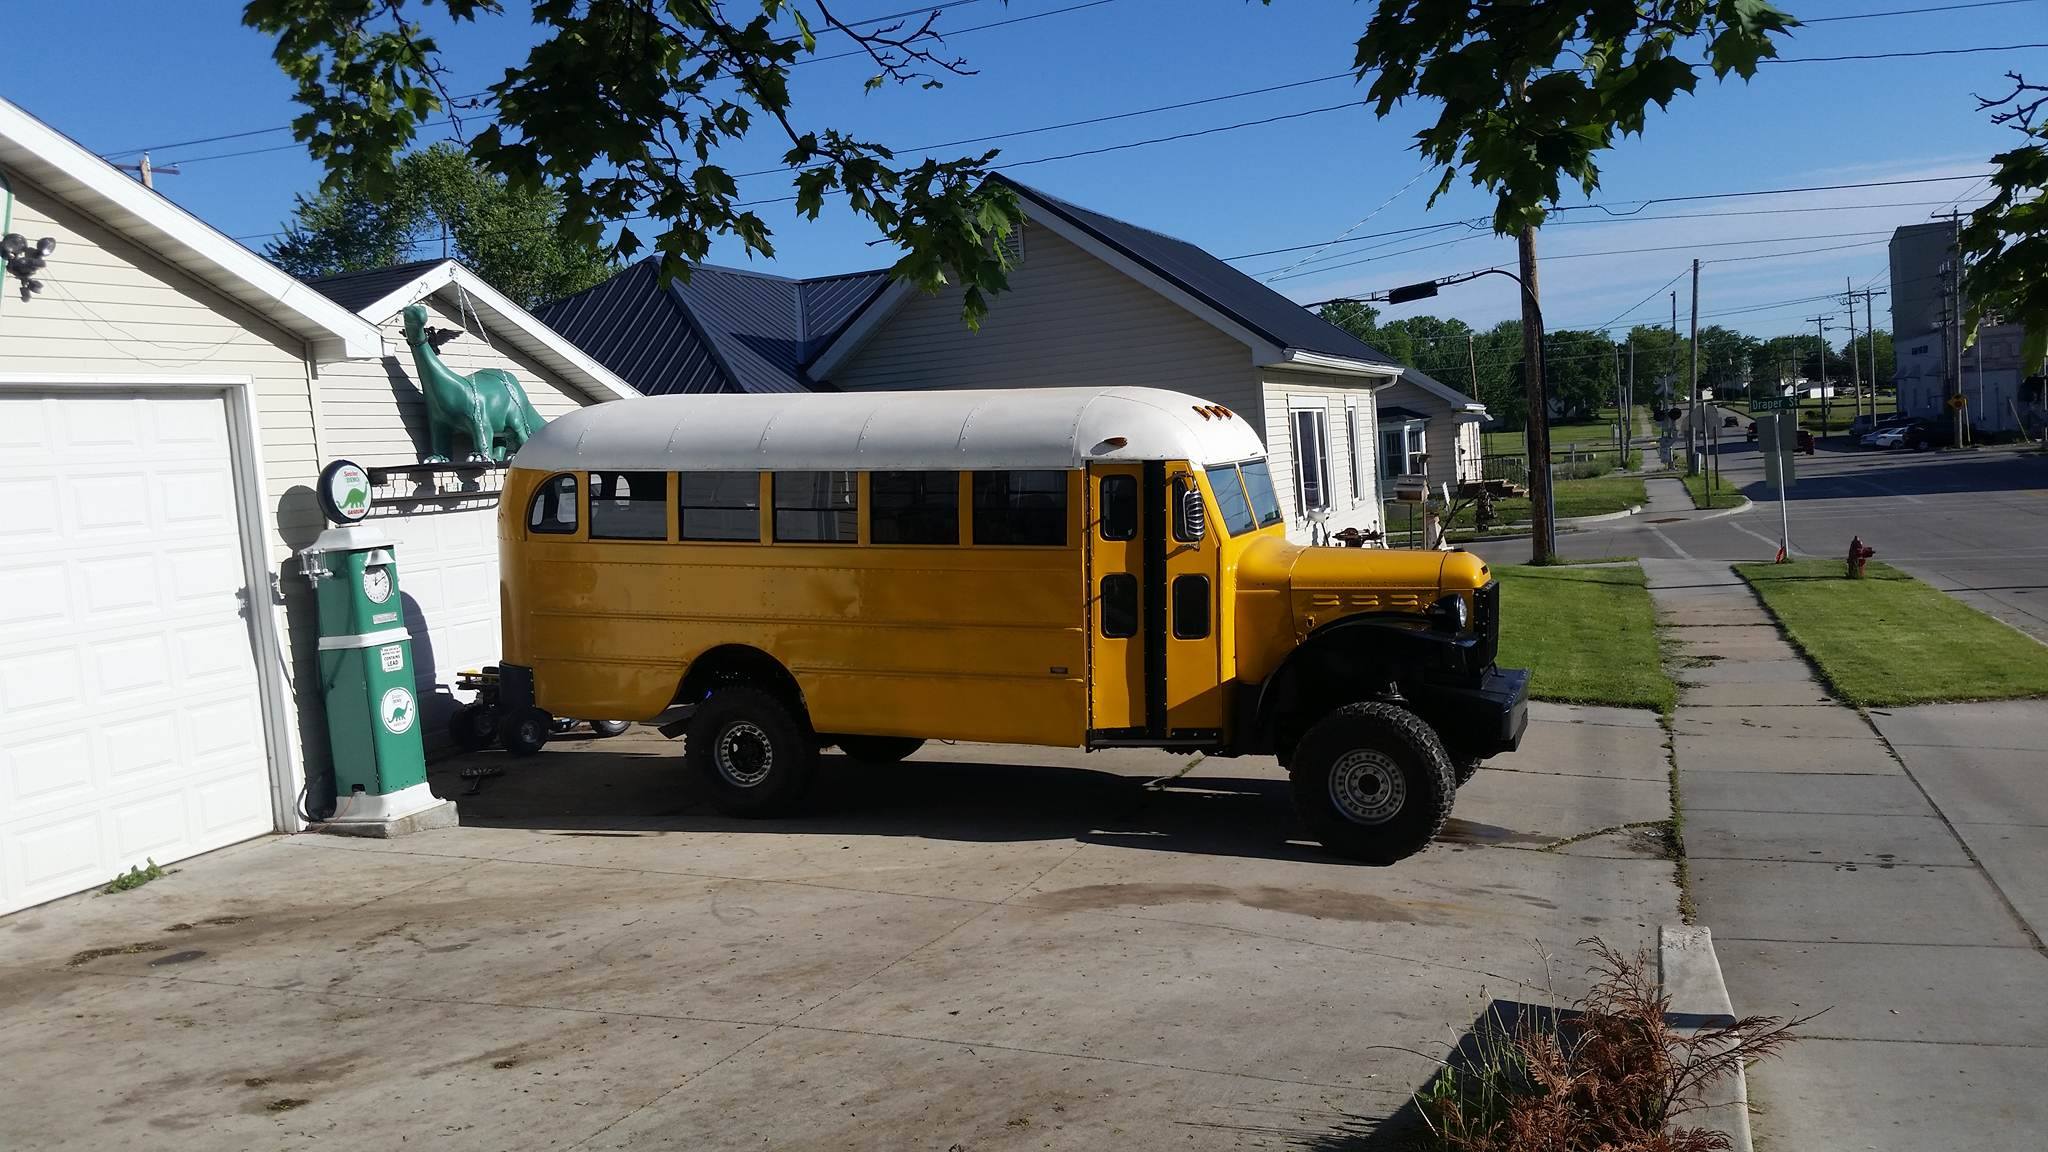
{"points": [[1286, 391], [111, 308], [1067, 319], [1443, 434], [372, 411]]}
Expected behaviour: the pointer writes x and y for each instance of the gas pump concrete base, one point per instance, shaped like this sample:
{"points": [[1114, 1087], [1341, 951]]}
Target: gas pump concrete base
{"points": [[414, 809]]}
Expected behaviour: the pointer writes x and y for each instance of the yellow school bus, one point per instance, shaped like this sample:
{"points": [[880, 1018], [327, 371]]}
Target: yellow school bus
{"points": [[768, 576]]}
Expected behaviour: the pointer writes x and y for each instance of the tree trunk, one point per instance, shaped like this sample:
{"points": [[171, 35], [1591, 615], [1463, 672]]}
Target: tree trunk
{"points": [[1538, 436]]}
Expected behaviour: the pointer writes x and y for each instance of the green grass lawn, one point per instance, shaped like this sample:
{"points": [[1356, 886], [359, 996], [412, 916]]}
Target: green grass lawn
{"points": [[1889, 639], [1591, 436], [1595, 496], [1723, 496], [1588, 635]]}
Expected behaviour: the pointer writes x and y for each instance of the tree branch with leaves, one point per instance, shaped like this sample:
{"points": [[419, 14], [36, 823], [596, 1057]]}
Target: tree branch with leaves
{"points": [[2004, 247], [624, 107]]}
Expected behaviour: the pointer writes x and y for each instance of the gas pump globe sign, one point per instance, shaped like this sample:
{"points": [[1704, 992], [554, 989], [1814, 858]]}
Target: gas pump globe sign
{"points": [[344, 494]]}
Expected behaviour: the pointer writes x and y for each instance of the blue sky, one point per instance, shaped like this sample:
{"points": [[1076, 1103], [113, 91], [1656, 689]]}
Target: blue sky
{"points": [[122, 74]]}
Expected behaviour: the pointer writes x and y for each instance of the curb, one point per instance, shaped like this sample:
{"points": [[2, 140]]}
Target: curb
{"points": [[1604, 517], [1690, 973], [1717, 513]]}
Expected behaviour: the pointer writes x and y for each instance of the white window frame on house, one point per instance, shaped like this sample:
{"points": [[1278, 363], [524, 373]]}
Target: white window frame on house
{"points": [[1414, 436], [1319, 424], [1357, 457]]}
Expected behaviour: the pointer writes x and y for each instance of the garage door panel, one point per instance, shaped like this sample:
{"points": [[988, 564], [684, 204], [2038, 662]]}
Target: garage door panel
{"points": [[141, 747], [57, 855], [40, 681], [150, 825], [112, 423], [226, 810], [33, 596], [30, 511], [221, 727], [119, 584], [129, 668], [48, 772], [24, 426], [127, 674], [197, 501], [213, 655], [107, 504]]}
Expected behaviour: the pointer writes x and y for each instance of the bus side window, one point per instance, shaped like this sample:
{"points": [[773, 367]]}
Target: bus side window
{"points": [[914, 507], [1119, 605], [1119, 507], [628, 506], [719, 506], [1021, 508], [554, 506], [1190, 607]]}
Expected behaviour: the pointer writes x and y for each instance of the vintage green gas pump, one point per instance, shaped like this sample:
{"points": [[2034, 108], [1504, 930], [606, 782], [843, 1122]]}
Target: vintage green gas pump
{"points": [[366, 670]]}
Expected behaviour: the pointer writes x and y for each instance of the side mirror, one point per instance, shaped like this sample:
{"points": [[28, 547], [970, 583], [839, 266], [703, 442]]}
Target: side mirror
{"points": [[1190, 519]]}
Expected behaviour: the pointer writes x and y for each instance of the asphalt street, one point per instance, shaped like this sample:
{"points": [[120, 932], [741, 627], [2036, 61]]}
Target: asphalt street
{"points": [[1973, 522]]}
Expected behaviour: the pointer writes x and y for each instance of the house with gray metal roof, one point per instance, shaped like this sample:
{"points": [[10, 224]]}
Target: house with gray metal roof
{"points": [[1092, 300]]}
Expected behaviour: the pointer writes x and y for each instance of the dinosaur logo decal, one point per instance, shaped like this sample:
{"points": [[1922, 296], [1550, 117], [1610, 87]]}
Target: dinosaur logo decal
{"points": [[487, 407], [396, 711], [344, 491]]}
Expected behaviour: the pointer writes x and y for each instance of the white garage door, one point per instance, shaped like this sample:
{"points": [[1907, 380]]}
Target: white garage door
{"points": [[129, 719]]}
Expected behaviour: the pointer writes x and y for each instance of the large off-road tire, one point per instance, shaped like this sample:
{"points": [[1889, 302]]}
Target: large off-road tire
{"points": [[1465, 768], [525, 732], [1373, 782], [755, 751], [473, 726], [878, 749]]}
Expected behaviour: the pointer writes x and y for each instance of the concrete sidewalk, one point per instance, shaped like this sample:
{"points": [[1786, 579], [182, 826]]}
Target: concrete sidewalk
{"points": [[1833, 881]]}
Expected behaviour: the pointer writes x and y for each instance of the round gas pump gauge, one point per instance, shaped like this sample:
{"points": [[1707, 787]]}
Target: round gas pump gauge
{"points": [[377, 584]]}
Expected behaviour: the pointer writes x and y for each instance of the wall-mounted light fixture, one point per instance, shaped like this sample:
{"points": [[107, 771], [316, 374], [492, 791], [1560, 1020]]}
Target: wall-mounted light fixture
{"points": [[25, 260]]}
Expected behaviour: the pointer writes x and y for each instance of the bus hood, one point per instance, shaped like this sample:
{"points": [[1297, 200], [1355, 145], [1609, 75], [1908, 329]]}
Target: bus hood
{"points": [[1323, 584]]}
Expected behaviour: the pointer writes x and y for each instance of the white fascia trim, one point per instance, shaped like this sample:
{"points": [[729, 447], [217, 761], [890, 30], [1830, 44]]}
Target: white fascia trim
{"points": [[864, 326], [422, 286], [323, 319], [1339, 365], [598, 382]]}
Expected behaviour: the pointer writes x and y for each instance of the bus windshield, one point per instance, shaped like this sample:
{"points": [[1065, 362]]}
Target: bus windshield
{"points": [[1258, 484], [1244, 495]]}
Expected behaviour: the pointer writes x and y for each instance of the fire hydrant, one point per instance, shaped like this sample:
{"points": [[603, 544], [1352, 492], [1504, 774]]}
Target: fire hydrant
{"points": [[1859, 552]]}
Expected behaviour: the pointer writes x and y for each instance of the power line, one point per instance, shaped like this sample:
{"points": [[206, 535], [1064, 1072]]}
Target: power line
{"points": [[939, 7], [1898, 55], [1912, 11], [1610, 252]]}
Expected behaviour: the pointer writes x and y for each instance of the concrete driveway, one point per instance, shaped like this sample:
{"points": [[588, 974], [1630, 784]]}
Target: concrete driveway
{"points": [[983, 948]]}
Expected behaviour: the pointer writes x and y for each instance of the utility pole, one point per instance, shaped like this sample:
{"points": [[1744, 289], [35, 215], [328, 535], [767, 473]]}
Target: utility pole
{"points": [[1820, 325], [1870, 333], [1542, 523], [1955, 287], [1472, 365], [1698, 433], [147, 172], [1631, 388], [1855, 363]]}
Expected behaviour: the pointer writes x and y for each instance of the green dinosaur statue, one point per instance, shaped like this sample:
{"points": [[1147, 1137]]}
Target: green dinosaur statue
{"points": [[484, 405]]}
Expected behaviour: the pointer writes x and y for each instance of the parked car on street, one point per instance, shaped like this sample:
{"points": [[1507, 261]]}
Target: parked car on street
{"points": [[1863, 427], [1917, 433]]}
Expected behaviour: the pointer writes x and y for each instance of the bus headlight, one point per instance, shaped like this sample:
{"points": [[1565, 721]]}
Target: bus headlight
{"points": [[1450, 613]]}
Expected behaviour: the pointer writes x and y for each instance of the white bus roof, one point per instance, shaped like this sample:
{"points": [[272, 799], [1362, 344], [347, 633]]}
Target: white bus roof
{"points": [[1021, 428]]}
